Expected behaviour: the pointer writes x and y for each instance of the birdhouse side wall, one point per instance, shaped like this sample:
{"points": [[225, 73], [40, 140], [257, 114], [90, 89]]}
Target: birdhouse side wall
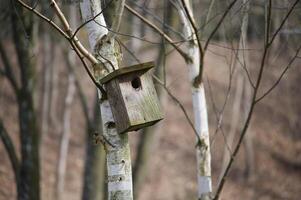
{"points": [[117, 105]]}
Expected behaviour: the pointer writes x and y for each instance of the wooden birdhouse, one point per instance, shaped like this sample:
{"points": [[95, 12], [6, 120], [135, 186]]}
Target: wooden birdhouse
{"points": [[133, 97]]}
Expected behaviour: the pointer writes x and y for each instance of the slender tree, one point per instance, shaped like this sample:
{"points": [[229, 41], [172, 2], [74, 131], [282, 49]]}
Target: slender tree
{"points": [[23, 37], [102, 43], [199, 103]]}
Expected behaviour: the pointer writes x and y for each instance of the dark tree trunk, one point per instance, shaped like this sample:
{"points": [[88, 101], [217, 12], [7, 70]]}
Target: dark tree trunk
{"points": [[94, 175], [22, 26]]}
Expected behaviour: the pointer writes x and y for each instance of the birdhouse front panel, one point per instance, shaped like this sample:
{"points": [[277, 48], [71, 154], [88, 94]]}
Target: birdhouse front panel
{"points": [[133, 100]]}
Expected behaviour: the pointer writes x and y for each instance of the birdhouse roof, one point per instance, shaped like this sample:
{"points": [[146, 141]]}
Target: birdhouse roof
{"points": [[125, 70]]}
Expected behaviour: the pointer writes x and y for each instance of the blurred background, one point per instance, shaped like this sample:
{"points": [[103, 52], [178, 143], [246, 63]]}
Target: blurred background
{"points": [[48, 103]]}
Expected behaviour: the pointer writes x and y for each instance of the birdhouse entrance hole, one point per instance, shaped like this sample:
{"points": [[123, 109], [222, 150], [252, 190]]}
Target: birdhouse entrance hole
{"points": [[136, 83]]}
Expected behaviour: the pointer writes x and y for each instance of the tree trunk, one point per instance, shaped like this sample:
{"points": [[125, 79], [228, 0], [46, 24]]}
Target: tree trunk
{"points": [[94, 175], [29, 138], [118, 156], [65, 138], [199, 110]]}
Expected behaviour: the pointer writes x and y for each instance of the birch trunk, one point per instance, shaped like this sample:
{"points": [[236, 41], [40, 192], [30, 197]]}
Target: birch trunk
{"points": [[200, 111], [118, 157]]}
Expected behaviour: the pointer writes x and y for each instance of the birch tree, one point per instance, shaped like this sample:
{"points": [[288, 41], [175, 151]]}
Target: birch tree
{"points": [[199, 105], [102, 43]]}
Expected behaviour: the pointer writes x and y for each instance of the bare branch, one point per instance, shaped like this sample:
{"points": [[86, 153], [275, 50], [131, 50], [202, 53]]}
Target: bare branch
{"points": [[44, 18], [73, 38], [88, 70], [280, 77], [217, 117], [249, 116], [9, 146], [181, 106], [78, 85], [90, 20], [155, 17], [219, 23], [8, 68], [117, 19], [158, 30], [74, 42], [128, 50], [283, 21]]}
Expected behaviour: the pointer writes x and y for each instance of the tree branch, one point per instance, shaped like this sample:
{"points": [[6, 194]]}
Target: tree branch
{"points": [[74, 42], [181, 106], [284, 20], [218, 24], [8, 68], [69, 32], [117, 19], [9, 146], [249, 116], [280, 77], [91, 19], [44, 18], [158, 30], [157, 18]]}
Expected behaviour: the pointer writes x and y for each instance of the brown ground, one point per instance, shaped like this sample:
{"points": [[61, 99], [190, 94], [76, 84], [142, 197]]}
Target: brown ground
{"points": [[172, 174]]}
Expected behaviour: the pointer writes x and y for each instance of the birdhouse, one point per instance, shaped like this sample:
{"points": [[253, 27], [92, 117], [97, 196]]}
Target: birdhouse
{"points": [[133, 98]]}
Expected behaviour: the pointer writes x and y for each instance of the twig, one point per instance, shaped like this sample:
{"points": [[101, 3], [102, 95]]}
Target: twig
{"points": [[9, 146], [283, 21], [158, 30], [44, 18], [246, 125], [76, 45], [219, 23], [117, 19], [8, 68], [181, 106], [79, 88], [68, 30], [280, 77], [170, 28], [129, 51], [90, 20], [216, 112], [88, 71]]}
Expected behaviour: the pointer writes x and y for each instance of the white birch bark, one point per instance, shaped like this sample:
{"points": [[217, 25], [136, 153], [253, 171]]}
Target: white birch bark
{"points": [[200, 112], [118, 157]]}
